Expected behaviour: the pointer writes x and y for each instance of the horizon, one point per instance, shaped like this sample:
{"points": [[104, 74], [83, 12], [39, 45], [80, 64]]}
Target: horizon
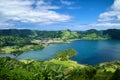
{"points": [[77, 15], [61, 30]]}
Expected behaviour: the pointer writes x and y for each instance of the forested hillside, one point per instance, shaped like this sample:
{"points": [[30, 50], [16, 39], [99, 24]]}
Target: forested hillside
{"points": [[17, 41], [64, 34]]}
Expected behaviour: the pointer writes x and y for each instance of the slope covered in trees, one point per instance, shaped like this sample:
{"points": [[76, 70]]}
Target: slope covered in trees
{"points": [[17, 37], [17, 41], [49, 34], [63, 34], [65, 55]]}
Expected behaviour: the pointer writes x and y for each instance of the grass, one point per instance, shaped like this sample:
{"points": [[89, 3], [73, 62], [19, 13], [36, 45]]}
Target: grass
{"points": [[26, 61], [68, 63], [8, 49], [110, 69], [16, 50], [26, 47]]}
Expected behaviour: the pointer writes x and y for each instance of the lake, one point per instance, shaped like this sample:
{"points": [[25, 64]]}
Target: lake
{"points": [[90, 52]]}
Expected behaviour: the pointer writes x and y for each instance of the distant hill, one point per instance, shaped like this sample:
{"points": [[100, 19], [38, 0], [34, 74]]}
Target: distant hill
{"points": [[111, 33]]}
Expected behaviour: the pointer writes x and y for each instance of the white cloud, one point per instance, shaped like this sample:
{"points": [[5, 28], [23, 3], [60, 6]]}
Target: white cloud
{"points": [[5, 25], [22, 10], [105, 24], [113, 14], [109, 19], [98, 26], [66, 2], [116, 5]]}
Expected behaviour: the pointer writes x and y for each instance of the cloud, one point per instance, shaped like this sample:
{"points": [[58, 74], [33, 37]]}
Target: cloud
{"points": [[97, 26], [41, 12], [116, 5], [107, 20], [30, 11], [106, 24], [113, 14], [65, 2], [5, 25]]}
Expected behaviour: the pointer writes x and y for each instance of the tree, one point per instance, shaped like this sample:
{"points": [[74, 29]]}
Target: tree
{"points": [[65, 55], [116, 75]]}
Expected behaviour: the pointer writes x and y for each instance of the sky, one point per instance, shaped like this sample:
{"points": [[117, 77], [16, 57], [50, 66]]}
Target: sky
{"points": [[60, 14]]}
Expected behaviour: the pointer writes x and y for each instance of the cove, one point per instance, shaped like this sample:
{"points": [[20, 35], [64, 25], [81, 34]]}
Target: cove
{"points": [[89, 52]]}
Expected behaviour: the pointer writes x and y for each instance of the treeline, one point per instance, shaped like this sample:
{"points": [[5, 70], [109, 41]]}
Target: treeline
{"points": [[113, 33], [30, 33], [65, 55], [12, 37], [13, 40], [64, 34], [11, 69]]}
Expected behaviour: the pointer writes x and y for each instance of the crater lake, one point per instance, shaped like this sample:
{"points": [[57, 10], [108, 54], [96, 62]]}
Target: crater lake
{"points": [[89, 52]]}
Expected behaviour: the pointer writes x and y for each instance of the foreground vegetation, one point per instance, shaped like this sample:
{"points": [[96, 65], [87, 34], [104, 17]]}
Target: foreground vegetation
{"points": [[58, 68], [11, 69]]}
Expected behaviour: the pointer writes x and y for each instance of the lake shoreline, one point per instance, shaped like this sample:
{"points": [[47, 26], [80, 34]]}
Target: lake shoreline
{"points": [[80, 46], [45, 44]]}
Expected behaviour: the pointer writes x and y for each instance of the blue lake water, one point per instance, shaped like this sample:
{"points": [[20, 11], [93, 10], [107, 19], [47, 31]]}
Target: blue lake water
{"points": [[90, 52]]}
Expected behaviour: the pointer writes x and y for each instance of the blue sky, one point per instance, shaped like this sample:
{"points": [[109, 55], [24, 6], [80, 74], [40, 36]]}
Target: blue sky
{"points": [[60, 14]]}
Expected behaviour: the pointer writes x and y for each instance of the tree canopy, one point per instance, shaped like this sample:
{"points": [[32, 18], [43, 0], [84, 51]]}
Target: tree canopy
{"points": [[65, 55]]}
